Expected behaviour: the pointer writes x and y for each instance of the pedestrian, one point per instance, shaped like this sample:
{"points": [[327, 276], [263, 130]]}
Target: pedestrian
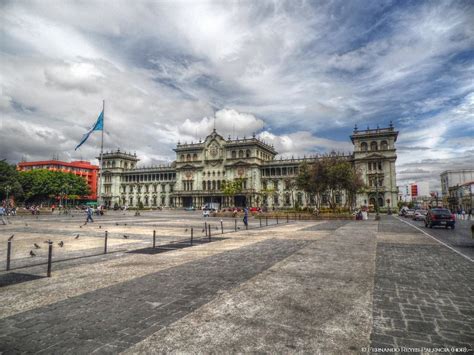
{"points": [[2, 214], [246, 217], [470, 214], [53, 206], [89, 214], [463, 214]]}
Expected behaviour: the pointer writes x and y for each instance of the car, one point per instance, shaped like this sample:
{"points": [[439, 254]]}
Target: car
{"points": [[409, 213], [440, 217], [254, 209], [189, 208], [419, 215]]}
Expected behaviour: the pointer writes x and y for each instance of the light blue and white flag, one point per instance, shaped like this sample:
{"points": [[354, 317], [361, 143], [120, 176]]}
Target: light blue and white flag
{"points": [[98, 126]]}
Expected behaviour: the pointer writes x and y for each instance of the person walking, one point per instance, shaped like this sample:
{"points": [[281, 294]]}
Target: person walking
{"points": [[246, 217], [2, 214], [89, 212]]}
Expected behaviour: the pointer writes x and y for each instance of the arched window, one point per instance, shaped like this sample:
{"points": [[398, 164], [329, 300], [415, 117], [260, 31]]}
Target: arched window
{"points": [[247, 153], [363, 147], [195, 156], [373, 146], [208, 185], [384, 145], [213, 184], [182, 157], [204, 185], [218, 184], [234, 154], [188, 157], [241, 153]]}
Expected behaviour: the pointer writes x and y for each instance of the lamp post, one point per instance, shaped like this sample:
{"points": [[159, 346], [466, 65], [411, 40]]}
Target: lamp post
{"points": [[7, 191], [377, 215]]}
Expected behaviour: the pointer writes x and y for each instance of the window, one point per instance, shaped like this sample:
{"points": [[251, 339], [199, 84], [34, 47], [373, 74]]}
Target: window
{"points": [[370, 165], [373, 146], [384, 145], [275, 200], [204, 185], [241, 153], [247, 153], [182, 157], [363, 147], [234, 154], [188, 157], [195, 156], [380, 165]]}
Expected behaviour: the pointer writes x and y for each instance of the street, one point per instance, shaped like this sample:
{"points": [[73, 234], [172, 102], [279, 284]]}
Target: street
{"points": [[459, 238]]}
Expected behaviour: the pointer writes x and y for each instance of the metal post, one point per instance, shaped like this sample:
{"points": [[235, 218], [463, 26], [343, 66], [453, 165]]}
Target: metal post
{"points": [[209, 231], [287, 218], [205, 228], [105, 242], [50, 258], [192, 235], [235, 220], [277, 219], [154, 239], [266, 221], [260, 219], [222, 227], [9, 251]]}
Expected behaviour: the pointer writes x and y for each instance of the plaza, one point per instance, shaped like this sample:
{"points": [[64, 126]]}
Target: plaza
{"points": [[296, 286]]}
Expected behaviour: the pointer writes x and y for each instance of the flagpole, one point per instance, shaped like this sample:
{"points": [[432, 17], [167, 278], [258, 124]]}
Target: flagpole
{"points": [[99, 199]]}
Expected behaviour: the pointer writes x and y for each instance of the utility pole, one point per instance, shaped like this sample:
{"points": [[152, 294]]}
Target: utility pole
{"points": [[377, 215]]}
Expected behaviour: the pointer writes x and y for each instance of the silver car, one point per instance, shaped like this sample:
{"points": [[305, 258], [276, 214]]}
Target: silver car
{"points": [[420, 215]]}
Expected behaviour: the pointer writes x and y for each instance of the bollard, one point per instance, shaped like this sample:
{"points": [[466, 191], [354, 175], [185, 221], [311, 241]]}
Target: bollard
{"points": [[287, 218], [299, 217], [277, 219], [266, 221], [205, 228], [50, 257], [9, 251], [154, 239], [222, 227], [235, 228], [209, 231], [260, 219], [105, 242], [192, 235]]}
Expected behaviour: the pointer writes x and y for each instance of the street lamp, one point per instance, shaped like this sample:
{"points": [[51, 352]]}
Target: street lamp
{"points": [[377, 215], [7, 190]]}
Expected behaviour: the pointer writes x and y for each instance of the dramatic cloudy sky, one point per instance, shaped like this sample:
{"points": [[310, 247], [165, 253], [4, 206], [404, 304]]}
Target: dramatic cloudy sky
{"points": [[300, 74]]}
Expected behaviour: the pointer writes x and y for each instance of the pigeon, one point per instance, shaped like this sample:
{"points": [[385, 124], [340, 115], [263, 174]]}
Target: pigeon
{"points": [[100, 227], [80, 226], [31, 253], [9, 239], [26, 224], [61, 243], [116, 223], [238, 227], [77, 236], [125, 236], [125, 223], [186, 230], [203, 230], [36, 246]]}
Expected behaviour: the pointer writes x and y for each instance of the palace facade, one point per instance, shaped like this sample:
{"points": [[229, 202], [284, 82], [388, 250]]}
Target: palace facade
{"points": [[198, 174]]}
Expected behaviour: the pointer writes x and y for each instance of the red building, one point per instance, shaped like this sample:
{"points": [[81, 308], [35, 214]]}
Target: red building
{"points": [[81, 168]]}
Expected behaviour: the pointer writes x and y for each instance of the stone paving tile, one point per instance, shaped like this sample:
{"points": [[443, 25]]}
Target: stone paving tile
{"points": [[423, 297], [327, 225], [113, 318]]}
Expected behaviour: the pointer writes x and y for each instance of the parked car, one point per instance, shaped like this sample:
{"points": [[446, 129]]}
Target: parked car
{"points": [[440, 217], [419, 215], [409, 213], [254, 209]]}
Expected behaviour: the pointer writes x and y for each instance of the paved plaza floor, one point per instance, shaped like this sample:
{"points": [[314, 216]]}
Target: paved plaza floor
{"points": [[319, 287]]}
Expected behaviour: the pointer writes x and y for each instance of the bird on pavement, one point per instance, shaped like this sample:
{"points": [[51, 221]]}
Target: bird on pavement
{"points": [[36, 246], [100, 227], [125, 223], [80, 226], [77, 236], [116, 224], [26, 224], [9, 239], [186, 230], [203, 230], [238, 227], [31, 253], [125, 236], [61, 243]]}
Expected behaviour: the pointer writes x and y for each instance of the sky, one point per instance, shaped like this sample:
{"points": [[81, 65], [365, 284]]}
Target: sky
{"points": [[300, 74]]}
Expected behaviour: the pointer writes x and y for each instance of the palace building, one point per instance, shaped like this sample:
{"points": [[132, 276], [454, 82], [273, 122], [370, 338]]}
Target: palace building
{"points": [[198, 174]]}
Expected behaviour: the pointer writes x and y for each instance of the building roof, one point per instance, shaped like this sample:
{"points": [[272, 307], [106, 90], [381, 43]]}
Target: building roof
{"points": [[74, 164]]}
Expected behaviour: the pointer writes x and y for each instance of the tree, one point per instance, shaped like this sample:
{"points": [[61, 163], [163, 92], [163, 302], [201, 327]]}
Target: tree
{"points": [[41, 185], [331, 175], [232, 188], [9, 181]]}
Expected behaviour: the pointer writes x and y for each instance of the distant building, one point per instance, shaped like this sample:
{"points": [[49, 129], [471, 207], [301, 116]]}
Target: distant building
{"points": [[461, 197], [201, 169], [81, 168], [414, 191], [451, 178]]}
